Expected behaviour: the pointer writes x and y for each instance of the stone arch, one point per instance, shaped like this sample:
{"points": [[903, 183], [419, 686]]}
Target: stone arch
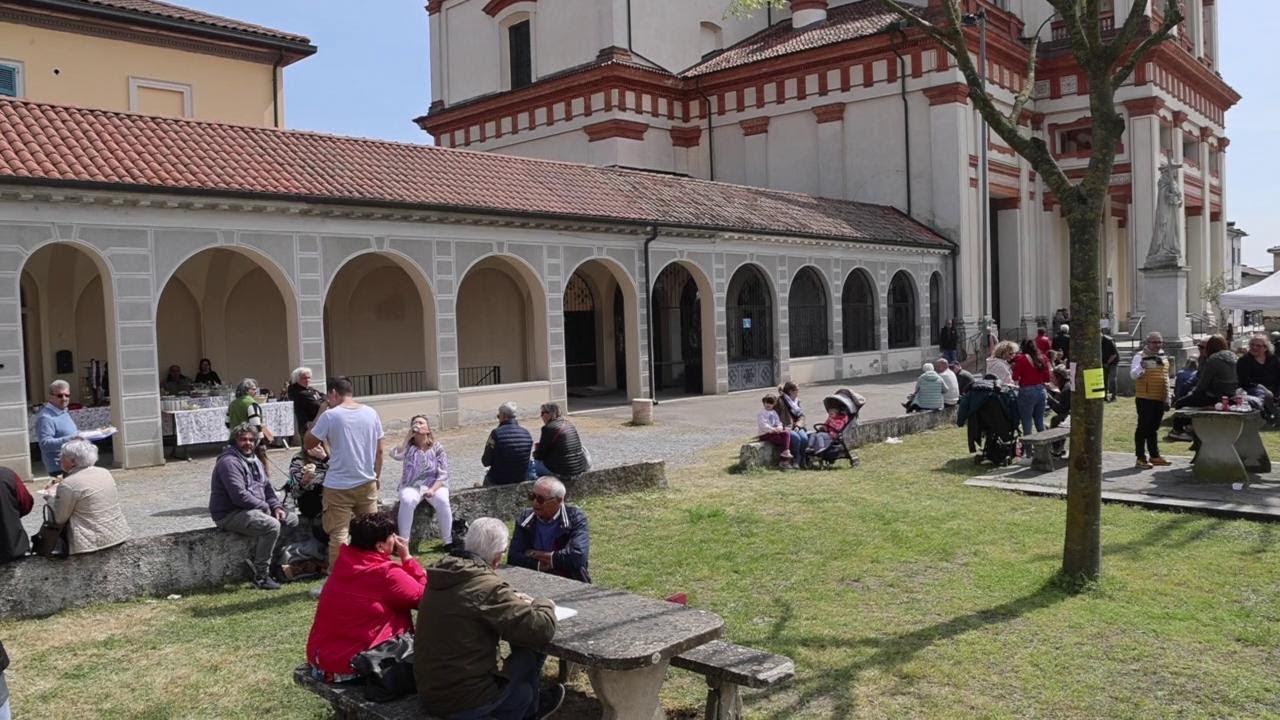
{"points": [[903, 312], [682, 317], [859, 308], [380, 324], [617, 348], [809, 314], [501, 311], [750, 322]]}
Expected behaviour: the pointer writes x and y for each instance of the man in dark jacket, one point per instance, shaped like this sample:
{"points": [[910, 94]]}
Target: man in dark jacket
{"points": [[551, 536], [948, 341], [506, 453], [465, 611], [1110, 360], [1062, 342], [242, 501], [15, 503], [559, 450]]}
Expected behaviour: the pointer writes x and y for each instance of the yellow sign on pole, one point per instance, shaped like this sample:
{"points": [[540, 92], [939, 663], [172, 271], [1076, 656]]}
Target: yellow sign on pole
{"points": [[1095, 386]]}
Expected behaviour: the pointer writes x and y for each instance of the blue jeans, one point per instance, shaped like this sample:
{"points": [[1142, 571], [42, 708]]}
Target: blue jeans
{"points": [[799, 441], [537, 469], [1031, 403], [519, 697], [950, 355]]}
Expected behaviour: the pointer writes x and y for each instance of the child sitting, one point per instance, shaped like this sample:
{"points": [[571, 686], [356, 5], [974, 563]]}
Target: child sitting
{"points": [[769, 425]]}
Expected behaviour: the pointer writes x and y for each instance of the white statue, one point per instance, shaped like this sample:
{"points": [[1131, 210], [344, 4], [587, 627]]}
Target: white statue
{"points": [[1166, 239]]}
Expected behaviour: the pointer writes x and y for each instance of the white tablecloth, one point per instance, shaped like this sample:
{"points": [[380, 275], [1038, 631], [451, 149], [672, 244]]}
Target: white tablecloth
{"points": [[191, 403], [84, 418], [209, 425]]}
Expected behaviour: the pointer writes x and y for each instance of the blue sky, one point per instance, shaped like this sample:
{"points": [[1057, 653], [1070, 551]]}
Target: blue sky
{"points": [[371, 78]]}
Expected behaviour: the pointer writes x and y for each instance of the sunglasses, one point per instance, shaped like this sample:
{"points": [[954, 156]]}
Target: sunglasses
{"points": [[65, 395], [537, 499]]}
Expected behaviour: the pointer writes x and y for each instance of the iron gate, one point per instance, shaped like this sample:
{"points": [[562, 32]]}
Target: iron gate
{"points": [[750, 330]]}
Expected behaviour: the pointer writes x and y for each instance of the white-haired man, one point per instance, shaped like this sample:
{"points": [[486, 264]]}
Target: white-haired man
{"points": [[950, 383], [551, 536], [465, 611], [54, 427]]}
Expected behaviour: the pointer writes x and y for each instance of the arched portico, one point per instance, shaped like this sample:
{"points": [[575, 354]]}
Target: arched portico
{"points": [[808, 315], [501, 311], [682, 313], [601, 331], [749, 316], [233, 306], [380, 325], [903, 312]]}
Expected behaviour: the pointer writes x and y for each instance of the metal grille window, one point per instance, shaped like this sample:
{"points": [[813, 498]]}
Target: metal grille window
{"points": [[807, 315], [858, 308], [579, 333], [677, 331], [935, 307], [902, 312], [520, 51], [750, 317]]}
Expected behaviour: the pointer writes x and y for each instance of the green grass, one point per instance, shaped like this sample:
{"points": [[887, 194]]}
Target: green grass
{"points": [[899, 592]]}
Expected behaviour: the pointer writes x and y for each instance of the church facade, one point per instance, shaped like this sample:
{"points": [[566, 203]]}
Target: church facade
{"points": [[839, 99]]}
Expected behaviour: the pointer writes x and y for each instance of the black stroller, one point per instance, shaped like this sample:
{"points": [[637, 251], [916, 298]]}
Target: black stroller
{"points": [[991, 413], [826, 447]]}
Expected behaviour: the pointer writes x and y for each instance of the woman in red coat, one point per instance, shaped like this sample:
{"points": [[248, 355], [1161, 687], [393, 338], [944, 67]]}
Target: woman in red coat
{"points": [[368, 597]]}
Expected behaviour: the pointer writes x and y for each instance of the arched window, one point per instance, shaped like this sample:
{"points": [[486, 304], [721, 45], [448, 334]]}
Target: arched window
{"points": [[807, 315], [935, 307], [902, 311], [858, 307]]}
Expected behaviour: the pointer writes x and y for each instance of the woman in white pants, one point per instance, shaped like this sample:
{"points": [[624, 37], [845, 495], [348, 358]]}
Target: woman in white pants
{"points": [[425, 477]]}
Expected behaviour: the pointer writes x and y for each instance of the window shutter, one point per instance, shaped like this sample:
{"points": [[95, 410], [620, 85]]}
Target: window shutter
{"points": [[8, 81]]}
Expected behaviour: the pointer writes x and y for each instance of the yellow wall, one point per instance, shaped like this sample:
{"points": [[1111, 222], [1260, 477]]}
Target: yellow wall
{"points": [[94, 72]]}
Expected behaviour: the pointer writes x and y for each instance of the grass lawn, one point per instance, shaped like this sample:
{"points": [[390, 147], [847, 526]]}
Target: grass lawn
{"points": [[899, 592]]}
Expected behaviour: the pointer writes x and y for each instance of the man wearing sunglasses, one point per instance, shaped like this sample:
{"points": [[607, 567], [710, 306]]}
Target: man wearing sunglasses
{"points": [[54, 427], [551, 536]]}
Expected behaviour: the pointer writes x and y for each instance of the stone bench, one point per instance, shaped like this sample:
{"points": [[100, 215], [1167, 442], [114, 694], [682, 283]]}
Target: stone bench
{"points": [[349, 704], [1040, 446], [728, 668]]}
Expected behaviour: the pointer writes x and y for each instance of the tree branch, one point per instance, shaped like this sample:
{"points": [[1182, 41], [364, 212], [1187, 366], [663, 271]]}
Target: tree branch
{"points": [[1128, 32], [1172, 17]]}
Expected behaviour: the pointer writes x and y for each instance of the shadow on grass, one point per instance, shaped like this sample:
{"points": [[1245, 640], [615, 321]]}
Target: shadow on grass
{"points": [[266, 600], [833, 684], [1161, 537]]}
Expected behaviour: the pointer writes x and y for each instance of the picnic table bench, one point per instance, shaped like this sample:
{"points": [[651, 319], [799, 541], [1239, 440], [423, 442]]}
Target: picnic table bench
{"points": [[1227, 445], [727, 668], [1040, 446], [349, 704]]}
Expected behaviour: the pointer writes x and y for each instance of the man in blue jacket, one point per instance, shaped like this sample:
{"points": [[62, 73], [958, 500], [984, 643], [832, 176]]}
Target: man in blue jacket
{"points": [[506, 453], [54, 427], [551, 536]]}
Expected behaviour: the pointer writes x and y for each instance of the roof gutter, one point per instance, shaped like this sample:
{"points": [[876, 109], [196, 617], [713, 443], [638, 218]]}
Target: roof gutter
{"points": [[74, 7]]}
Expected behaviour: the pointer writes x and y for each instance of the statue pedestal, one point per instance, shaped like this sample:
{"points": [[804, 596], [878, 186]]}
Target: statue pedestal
{"points": [[1164, 295]]}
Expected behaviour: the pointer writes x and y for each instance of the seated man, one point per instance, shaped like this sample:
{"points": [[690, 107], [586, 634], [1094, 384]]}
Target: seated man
{"points": [[551, 536], [950, 383], [368, 599], [465, 611], [242, 501], [506, 453]]}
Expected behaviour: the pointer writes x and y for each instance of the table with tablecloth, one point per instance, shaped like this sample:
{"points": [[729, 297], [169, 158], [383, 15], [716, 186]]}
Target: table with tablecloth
{"points": [[209, 425], [90, 418]]}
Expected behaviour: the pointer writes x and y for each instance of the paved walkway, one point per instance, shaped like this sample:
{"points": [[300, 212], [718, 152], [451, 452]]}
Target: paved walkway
{"points": [[1168, 488], [175, 497]]}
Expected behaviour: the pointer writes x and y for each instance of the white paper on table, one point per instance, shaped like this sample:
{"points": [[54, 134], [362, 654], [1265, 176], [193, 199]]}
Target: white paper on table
{"points": [[564, 613]]}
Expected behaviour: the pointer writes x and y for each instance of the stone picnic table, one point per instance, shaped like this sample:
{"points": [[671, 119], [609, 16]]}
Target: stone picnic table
{"points": [[1227, 445], [625, 641]]}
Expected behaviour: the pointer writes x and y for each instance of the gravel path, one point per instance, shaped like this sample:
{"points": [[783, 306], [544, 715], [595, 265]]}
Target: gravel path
{"points": [[175, 497]]}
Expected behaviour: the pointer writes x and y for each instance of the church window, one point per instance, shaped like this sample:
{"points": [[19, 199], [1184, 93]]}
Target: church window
{"points": [[520, 54]]}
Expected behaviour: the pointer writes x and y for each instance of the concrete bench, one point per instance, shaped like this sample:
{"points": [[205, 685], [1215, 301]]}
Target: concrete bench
{"points": [[1040, 446], [728, 668], [349, 704]]}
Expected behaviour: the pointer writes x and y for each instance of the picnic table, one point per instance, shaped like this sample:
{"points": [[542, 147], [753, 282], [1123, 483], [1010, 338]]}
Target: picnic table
{"points": [[624, 641], [1228, 445]]}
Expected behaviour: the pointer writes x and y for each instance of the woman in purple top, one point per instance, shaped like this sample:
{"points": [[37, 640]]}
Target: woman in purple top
{"points": [[425, 477]]}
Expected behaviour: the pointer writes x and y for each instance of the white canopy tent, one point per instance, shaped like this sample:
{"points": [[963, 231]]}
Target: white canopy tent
{"points": [[1264, 295]]}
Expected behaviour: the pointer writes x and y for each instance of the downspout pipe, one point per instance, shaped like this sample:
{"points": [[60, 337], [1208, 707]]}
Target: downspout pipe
{"points": [[275, 89], [648, 310], [711, 148], [906, 112]]}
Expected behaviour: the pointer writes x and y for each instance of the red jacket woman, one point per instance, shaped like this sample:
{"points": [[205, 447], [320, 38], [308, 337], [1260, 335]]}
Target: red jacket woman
{"points": [[368, 598]]}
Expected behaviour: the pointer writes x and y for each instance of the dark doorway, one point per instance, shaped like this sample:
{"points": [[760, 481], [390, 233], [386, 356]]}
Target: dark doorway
{"points": [[749, 312], [677, 332], [619, 341], [579, 334]]}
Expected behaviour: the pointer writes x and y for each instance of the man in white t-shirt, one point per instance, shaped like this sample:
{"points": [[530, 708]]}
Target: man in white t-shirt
{"points": [[353, 433], [950, 383]]}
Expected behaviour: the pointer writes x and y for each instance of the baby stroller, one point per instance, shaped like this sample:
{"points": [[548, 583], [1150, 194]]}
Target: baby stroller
{"points": [[992, 415], [833, 441]]}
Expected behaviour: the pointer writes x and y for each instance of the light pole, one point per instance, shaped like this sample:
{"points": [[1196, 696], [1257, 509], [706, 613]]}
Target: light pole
{"points": [[984, 141]]}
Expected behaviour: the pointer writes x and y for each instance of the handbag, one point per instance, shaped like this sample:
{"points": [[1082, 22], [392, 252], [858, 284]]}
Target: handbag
{"points": [[387, 669], [50, 539]]}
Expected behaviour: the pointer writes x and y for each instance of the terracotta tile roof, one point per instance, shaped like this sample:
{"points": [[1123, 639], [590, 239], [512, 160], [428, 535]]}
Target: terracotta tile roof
{"points": [[174, 12], [52, 144], [845, 22]]}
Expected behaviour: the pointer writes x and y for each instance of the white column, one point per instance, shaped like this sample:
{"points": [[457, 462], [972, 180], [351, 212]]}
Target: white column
{"points": [[439, 88], [950, 144], [1195, 23], [1218, 245], [1144, 136], [1012, 263], [1198, 272], [756, 141]]}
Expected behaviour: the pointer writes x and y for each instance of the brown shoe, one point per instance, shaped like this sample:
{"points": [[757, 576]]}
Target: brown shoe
{"points": [[1157, 460], [1142, 464]]}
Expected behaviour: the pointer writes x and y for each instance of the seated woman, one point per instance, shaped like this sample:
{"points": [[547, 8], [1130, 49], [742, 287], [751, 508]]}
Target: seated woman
{"points": [[207, 376], [559, 449], [84, 501], [309, 557], [1000, 364], [368, 598], [1216, 379], [15, 502], [792, 415], [928, 394], [425, 476]]}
